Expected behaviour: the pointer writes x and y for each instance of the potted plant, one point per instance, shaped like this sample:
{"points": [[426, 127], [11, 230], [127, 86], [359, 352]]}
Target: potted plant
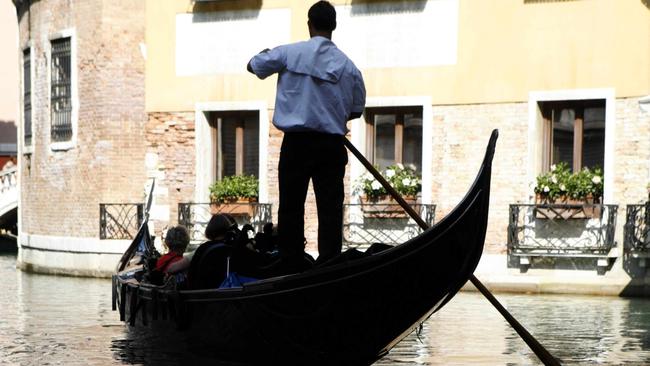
{"points": [[551, 186], [560, 186], [233, 194], [375, 200]]}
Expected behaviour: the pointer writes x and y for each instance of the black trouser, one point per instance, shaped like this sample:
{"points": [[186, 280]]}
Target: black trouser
{"points": [[321, 158]]}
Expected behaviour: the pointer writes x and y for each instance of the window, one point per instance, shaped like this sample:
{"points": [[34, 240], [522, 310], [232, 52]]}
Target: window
{"points": [[394, 135], [61, 92], [237, 142], [574, 132], [27, 97]]}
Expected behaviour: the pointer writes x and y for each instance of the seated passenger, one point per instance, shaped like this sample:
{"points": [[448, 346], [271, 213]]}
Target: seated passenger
{"points": [[176, 241], [215, 232]]}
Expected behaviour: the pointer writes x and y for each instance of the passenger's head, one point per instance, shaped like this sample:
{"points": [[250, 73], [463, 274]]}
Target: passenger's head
{"points": [[218, 226], [322, 18], [177, 239]]}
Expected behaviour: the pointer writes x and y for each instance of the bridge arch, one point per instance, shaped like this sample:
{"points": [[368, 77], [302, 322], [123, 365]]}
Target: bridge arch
{"points": [[8, 198]]}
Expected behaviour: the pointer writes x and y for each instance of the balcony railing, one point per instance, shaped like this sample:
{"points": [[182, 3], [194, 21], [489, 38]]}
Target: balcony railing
{"points": [[120, 220], [383, 223], [195, 216], [8, 179], [560, 230], [637, 230]]}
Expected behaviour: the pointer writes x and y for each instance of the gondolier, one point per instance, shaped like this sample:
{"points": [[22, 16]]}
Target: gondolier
{"points": [[319, 89]]}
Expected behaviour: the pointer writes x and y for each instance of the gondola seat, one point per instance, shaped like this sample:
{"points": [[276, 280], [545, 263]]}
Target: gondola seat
{"points": [[209, 266]]}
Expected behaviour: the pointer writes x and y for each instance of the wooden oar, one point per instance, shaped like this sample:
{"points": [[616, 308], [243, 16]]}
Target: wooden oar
{"points": [[542, 353]]}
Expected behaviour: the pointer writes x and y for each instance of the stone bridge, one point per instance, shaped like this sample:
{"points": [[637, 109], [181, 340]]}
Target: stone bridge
{"points": [[8, 199]]}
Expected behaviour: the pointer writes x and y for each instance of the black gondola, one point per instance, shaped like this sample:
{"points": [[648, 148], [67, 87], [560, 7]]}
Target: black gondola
{"points": [[348, 313]]}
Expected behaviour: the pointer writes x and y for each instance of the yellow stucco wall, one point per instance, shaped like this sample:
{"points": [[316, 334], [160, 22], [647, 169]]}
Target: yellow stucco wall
{"points": [[506, 48]]}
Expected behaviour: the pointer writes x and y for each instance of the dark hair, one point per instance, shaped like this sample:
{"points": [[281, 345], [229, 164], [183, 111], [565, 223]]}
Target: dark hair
{"points": [[218, 225], [177, 238], [322, 16]]}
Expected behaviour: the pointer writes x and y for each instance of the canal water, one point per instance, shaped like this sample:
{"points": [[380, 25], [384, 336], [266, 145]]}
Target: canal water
{"points": [[53, 320]]}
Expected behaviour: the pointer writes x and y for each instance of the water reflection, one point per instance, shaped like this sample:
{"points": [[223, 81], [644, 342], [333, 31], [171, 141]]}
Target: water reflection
{"points": [[68, 321]]}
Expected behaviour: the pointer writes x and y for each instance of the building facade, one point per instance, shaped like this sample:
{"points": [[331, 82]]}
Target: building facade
{"points": [[561, 80], [81, 131], [9, 86]]}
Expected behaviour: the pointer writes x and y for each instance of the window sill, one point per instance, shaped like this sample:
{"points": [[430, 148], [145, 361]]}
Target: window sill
{"points": [[62, 146]]}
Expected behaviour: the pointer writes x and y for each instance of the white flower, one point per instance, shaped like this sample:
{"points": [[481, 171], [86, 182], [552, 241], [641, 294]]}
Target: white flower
{"points": [[412, 167], [414, 182], [390, 173], [554, 179], [562, 187], [546, 189], [553, 167], [400, 165], [406, 182], [596, 179], [368, 176], [375, 185]]}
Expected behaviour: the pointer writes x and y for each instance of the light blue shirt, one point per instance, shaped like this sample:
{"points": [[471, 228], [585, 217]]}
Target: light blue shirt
{"points": [[318, 89]]}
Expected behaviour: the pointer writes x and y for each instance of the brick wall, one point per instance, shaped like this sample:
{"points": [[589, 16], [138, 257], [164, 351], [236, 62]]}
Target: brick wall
{"points": [[460, 136], [632, 152], [61, 190], [171, 136]]}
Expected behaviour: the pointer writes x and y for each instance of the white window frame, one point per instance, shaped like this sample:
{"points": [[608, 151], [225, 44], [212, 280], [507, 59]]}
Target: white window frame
{"points": [[358, 134], [27, 149], [206, 145], [72, 34], [535, 131]]}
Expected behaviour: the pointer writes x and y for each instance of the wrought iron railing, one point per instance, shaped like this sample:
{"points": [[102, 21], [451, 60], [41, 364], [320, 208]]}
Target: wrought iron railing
{"points": [[27, 97], [560, 230], [195, 216], [637, 229], [381, 223], [8, 179], [61, 90], [120, 220]]}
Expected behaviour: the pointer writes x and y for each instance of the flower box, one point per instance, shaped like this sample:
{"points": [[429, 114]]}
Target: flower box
{"points": [[564, 207], [235, 207], [566, 195], [233, 195], [375, 200], [385, 207]]}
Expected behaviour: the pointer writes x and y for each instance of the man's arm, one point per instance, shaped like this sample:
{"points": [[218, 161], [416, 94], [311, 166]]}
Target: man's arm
{"points": [[267, 62], [358, 97], [249, 67]]}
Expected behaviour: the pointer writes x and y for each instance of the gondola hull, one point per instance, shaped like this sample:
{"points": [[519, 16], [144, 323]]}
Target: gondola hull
{"points": [[349, 313]]}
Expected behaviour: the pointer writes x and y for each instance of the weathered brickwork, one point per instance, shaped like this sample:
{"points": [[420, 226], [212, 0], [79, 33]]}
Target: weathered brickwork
{"points": [[631, 158], [460, 135], [171, 137], [61, 190], [631, 153]]}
